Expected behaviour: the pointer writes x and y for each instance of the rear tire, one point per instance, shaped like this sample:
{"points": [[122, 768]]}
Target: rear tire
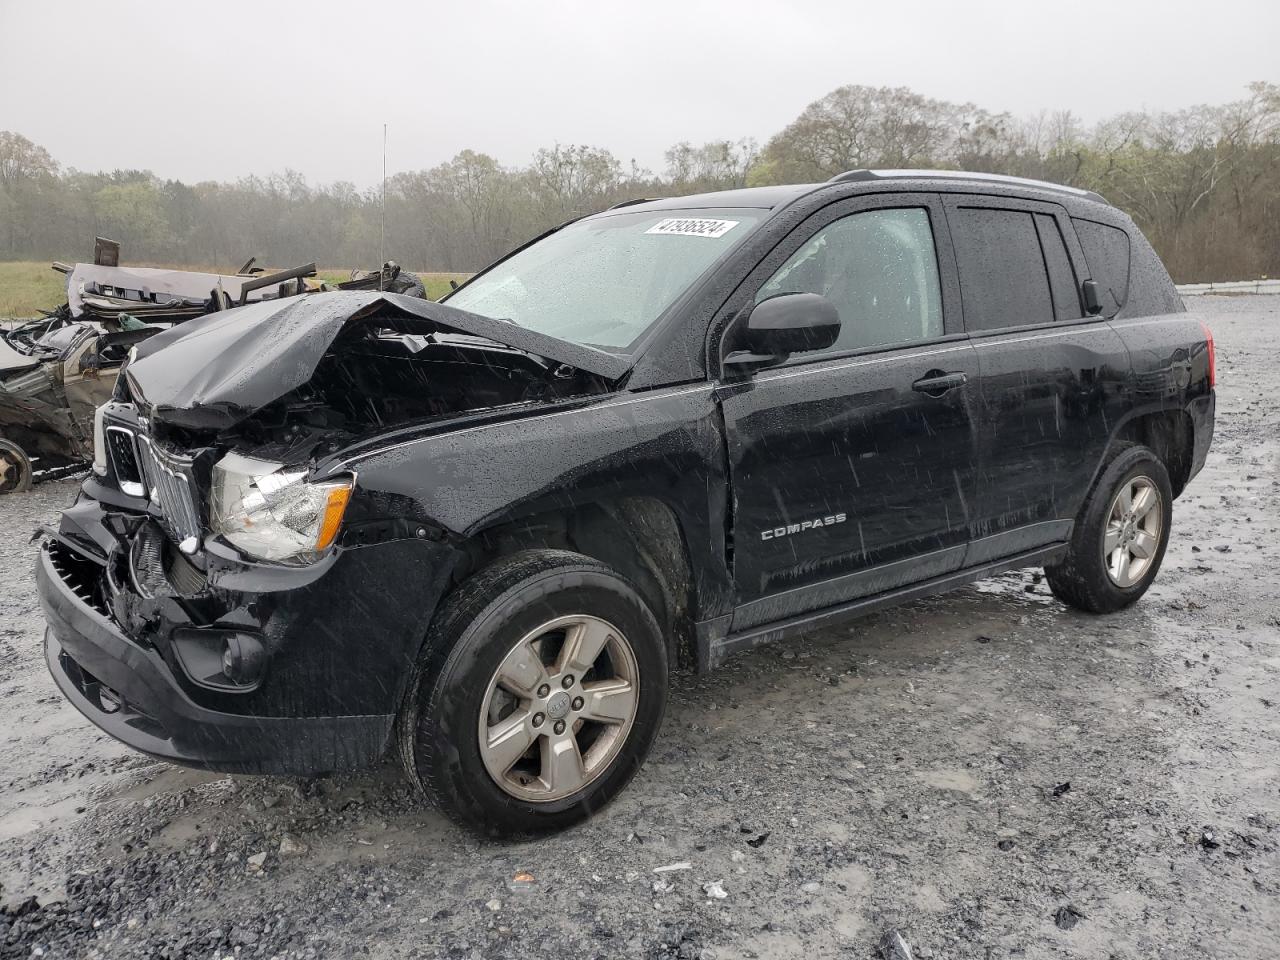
{"points": [[537, 695], [1119, 540]]}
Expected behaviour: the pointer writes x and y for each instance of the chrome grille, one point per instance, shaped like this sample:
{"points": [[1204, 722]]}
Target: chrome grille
{"points": [[170, 489]]}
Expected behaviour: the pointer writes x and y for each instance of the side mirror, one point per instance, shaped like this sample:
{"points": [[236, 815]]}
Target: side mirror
{"points": [[791, 323], [1092, 297]]}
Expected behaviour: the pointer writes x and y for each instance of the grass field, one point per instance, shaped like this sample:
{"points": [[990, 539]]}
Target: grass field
{"points": [[27, 286]]}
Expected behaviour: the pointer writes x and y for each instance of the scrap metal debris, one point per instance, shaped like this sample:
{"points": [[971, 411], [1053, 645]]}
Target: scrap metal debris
{"points": [[56, 370]]}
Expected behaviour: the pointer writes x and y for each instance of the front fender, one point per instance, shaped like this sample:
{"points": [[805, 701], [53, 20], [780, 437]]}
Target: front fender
{"points": [[664, 444]]}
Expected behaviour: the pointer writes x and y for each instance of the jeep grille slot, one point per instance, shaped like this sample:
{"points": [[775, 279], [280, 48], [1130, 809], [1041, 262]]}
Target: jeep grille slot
{"points": [[124, 457], [170, 490]]}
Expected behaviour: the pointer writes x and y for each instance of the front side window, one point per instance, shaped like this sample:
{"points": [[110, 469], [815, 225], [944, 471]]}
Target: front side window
{"points": [[880, 270], [603, 282]]}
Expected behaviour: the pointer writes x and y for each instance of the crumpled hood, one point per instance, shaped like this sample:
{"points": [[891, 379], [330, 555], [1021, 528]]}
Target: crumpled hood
{"points": [[212, 372]]}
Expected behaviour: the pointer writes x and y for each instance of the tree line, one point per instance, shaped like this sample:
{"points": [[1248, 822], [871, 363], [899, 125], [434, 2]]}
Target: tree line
{"points": [[1202, 182]]}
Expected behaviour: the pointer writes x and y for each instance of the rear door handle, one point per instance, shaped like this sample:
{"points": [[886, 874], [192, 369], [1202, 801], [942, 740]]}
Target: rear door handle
{"points": [[937, 382]]}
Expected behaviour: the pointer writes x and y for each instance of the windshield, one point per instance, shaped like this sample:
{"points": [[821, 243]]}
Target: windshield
{"points": [[603, 282]]}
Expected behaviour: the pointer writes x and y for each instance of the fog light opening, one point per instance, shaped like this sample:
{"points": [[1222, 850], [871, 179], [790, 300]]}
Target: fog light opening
{"points": [[242, 659]]}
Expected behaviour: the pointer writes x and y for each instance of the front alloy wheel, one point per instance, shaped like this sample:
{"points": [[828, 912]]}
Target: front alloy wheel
{"points": [[538, 691], [558, 708]]}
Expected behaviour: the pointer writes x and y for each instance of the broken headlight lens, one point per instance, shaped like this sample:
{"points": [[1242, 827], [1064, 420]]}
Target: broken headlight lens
{"points": [[271, 512]]}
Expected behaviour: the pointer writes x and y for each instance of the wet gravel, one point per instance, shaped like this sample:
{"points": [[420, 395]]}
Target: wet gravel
{"points": [[985, 774]]}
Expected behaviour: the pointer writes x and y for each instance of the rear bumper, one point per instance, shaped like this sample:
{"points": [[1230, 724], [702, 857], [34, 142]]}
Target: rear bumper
{"points": [[1201, 411], [130, 692]]}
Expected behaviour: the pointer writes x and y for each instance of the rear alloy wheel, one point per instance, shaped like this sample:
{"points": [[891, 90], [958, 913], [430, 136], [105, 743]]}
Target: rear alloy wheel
{"points": [[1135, 523], [538, 692], [15, 468], [1119, 538]]}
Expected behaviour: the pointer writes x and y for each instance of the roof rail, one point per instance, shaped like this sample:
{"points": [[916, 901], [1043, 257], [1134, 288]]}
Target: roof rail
{"points": [[633, 201], [857, 175]]}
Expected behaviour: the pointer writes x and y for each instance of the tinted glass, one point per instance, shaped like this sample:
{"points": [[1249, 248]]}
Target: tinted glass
{"points": [[1003, 281], [1062, 280], [603, 282], [1106, 250], [880, 270]]}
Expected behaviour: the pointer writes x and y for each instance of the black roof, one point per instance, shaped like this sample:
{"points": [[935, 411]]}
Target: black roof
{"points": [[768, 198]]}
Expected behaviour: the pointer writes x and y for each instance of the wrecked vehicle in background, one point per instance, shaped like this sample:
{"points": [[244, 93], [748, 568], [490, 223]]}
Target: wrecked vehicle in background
{"points": [[56, 370], [103, 290], [53, 375], [390, 279]]}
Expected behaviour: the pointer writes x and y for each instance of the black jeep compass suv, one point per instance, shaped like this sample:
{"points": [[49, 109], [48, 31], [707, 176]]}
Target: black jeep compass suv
{"points": [[480, 533]]}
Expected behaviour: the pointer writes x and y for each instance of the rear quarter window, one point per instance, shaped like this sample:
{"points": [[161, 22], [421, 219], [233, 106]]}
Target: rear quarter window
{"points": [[1106, 250]]}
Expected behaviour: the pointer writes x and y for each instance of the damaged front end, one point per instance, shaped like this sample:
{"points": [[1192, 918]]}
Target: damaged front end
{"points": [[228, 593]]}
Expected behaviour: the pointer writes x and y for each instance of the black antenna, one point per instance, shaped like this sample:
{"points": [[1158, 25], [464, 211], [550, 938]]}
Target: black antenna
{"points": [[382, 241]]}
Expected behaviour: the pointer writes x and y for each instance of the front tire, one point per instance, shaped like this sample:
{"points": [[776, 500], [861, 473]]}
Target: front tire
{"points": [[1119, 540], [538, 693]]}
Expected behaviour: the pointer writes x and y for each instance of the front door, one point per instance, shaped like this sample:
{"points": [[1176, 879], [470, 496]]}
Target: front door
{"points": [[853, 468]]}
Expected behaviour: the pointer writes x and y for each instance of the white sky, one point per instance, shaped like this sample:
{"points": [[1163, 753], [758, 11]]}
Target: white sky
{"points": [[204, 90]]}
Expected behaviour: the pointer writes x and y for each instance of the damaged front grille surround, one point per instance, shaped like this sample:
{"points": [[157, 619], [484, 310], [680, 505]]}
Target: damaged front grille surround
{"points": [[144, 470]]}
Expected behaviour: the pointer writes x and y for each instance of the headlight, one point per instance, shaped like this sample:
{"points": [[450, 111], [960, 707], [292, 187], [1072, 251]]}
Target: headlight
{"points": [[271, 512]]}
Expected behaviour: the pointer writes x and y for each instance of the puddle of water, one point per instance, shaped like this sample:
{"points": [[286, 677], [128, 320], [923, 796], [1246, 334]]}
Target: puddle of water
{"points": [[38, 815]]}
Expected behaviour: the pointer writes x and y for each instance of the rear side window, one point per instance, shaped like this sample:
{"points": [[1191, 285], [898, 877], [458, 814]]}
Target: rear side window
{"points": [[1106, 250], [1003, 281], [1062, 279]]}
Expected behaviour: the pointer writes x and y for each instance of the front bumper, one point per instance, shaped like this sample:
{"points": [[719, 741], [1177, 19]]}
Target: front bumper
{"points": [[339, 653]]}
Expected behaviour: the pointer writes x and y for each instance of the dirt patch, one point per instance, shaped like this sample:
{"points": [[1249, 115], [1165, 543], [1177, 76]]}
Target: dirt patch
{"points": [[988, 772]]}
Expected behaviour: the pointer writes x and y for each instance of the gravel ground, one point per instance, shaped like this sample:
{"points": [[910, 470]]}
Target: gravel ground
{"points": [[987, 773]]}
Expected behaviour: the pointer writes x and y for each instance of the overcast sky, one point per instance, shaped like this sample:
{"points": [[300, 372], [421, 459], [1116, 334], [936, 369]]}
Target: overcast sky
{"points": [[219, 90]]}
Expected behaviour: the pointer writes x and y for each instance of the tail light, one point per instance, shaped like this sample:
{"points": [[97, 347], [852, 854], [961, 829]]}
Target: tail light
{"points": [[1213, 357]]}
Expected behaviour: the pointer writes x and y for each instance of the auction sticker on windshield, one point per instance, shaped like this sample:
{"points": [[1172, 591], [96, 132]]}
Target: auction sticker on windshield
{"points": [[693, 227]]}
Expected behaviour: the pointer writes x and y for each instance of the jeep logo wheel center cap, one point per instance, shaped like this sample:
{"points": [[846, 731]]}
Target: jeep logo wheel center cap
{"points": [[558, 706]]}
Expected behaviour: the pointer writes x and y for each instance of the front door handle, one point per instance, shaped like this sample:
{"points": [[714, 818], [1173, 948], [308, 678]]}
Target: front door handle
{"points": [[937, 382]]}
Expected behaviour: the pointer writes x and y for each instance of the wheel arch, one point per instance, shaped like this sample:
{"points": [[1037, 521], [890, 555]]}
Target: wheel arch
{"points": [[639, 537], [1169, 434]]}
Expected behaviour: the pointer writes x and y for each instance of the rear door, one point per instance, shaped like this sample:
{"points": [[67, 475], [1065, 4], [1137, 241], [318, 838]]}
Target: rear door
{"points": [[1051, 377], [853, 467]]}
